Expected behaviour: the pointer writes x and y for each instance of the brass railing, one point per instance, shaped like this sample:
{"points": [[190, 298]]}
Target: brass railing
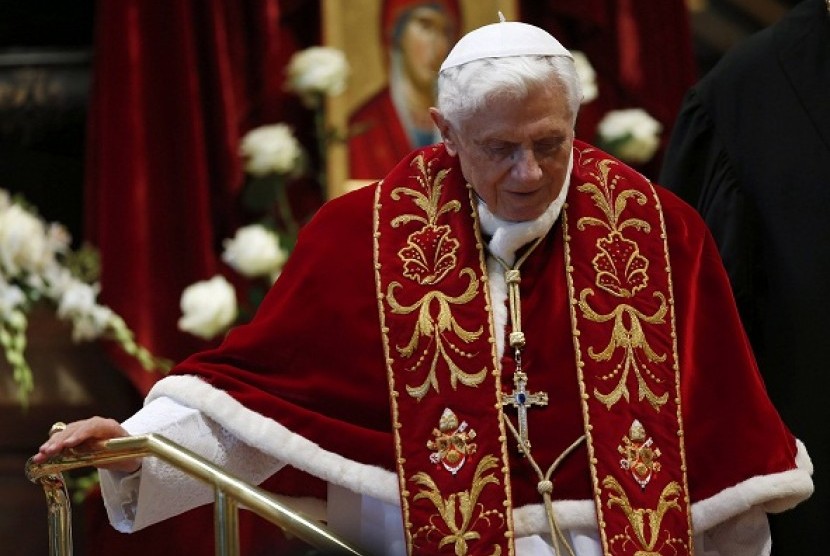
{"points": [[230, 493]]}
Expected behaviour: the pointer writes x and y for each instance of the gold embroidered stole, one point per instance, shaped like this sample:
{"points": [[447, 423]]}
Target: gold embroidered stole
{"points": [[444, 380], [444, 384], [622, 309]]}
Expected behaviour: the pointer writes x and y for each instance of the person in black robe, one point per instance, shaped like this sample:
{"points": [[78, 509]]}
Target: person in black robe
{"points": [[750, 150]]}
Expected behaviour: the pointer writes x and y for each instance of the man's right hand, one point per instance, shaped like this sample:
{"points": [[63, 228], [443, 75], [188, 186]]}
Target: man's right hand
{"points": [[88, 434]]}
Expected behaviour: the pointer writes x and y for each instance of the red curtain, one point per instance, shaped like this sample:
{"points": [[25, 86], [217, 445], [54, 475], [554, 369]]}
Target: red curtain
{"points": [[175, 85]]}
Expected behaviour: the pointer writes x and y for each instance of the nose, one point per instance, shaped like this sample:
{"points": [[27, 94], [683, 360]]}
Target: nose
{"points": [[525, 166]]}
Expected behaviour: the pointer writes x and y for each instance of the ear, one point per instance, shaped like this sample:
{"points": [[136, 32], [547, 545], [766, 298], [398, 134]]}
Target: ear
{"points": [[446, 131]]}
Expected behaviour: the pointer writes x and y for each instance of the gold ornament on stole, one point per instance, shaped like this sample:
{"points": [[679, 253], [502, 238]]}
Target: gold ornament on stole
{"points": [[459, 514], [622, 271], [429, 257], [646, 524], [639, 454], [452, 443]]}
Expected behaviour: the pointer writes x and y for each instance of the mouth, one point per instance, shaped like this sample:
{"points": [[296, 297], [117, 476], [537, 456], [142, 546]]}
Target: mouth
{"points": [[524, 194]]}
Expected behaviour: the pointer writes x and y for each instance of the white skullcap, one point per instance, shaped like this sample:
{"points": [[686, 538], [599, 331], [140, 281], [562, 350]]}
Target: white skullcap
{"points": [[499, 40]]}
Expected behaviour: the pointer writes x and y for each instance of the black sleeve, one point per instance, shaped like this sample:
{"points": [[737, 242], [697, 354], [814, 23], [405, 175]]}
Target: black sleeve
{"points": [[697, 167]]}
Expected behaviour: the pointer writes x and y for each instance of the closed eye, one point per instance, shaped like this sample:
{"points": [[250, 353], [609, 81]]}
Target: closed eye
{"points": [[548, 146], [499, 149]]}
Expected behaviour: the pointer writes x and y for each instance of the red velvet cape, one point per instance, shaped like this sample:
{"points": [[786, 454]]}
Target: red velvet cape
{"points": [[312, 360]]}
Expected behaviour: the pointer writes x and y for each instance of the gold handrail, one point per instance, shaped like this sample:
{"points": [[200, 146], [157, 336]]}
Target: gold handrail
{"points": [[230, 493]]}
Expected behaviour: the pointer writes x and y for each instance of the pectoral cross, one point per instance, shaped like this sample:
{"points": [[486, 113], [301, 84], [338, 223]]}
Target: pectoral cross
{"points": [[522, 400]]}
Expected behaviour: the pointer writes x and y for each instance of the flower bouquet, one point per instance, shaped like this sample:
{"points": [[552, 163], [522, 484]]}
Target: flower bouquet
{"points": [[37, 265]]}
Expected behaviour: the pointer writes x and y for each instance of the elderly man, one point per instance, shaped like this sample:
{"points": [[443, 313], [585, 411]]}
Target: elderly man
{"points": [[512, 344]]}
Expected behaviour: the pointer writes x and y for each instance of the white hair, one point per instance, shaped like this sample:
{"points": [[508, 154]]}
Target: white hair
{"points": [[464, 89]]}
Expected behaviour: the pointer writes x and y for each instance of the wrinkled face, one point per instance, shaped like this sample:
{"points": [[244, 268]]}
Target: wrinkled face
{"points": [[425, 42], [515, 151]]}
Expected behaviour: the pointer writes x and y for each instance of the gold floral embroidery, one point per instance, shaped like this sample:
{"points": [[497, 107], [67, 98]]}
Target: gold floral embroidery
{"points": [[460, 504], [646, 524], [622, 272], [429, 256], [632, 340], [603, 196]]}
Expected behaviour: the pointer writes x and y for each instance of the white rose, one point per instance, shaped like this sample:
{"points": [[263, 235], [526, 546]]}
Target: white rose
{"points": [[208, 307], [271, 149], [23, 242], [254, 251], [633, 134], [587, 76], [319, 70], [58, 238]]}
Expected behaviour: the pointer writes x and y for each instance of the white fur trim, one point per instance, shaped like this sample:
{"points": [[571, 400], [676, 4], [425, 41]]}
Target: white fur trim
{"points": [[775, 493], [498, 300], [276, 440]]}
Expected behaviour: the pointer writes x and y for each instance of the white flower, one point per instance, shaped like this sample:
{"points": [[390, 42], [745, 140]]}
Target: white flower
{"points": [[255, 251], [53, 282], [90, 325], [271, 149], [32, 270], [77, 299], [208, 307], [587, 76], [24, 246], [632, 135], [318, 70], [11, 297], [58, 238], [77, 302]]}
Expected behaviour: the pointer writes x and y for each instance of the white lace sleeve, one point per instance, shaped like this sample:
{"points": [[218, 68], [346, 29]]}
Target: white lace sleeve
{"points": [[159, 491], [746, 534]]}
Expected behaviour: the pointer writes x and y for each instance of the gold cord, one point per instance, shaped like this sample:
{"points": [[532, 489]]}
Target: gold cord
{"points": [[545, 487], [513, 278]]}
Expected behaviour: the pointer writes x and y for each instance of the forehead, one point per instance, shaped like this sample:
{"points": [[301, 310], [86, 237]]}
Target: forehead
{"points": [[542, 111]]}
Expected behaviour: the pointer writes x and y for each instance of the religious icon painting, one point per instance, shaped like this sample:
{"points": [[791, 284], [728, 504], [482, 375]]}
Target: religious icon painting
{"points": [[394, 49]]}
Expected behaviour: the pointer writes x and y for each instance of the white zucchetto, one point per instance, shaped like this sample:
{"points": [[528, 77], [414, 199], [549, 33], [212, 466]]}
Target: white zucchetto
{"points": [[499, 40]]}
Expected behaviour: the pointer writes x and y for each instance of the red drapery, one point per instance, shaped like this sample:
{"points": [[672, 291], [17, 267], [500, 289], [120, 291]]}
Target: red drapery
{"points": [[175, 85]]}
